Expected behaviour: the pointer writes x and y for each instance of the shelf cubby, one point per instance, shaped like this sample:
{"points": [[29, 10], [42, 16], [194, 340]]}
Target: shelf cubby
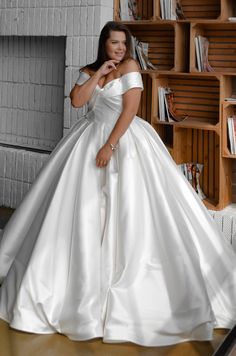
{"points": [[145, 106], [229, 109], [200, 146], [222, 45], [200, 96], [168, 43], [145, 10], [201, 9], [196, 97], [166, 134]]}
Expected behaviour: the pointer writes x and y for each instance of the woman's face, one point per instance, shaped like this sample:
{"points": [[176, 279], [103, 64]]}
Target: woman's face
{"points": [[116, 45]]}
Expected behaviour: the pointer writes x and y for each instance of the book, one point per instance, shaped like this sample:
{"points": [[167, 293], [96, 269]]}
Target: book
{"points": [[231, 123], [134, 9], [179, 11], [129, 10], [140, 53], [171, 10], [167, 111], [124, 10], [201, 49], [192, 172], [231, 98]]}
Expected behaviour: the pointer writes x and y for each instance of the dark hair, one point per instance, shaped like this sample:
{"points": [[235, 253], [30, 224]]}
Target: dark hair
{"points": [[104, 35]]}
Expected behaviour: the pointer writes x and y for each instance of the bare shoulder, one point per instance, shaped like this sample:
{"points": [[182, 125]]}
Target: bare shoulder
{"points": [[129, 65], [85, 70]]}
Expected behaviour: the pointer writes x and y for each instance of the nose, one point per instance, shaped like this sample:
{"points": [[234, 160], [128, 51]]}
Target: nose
{"points": [[121, 45]]}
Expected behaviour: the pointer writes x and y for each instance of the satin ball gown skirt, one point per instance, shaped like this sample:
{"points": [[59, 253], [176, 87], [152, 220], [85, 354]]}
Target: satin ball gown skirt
{"points": [[125, 253]]}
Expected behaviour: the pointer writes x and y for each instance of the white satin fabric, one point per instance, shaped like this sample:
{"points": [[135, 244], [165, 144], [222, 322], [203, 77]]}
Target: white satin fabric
{"points": [[126, 253]]}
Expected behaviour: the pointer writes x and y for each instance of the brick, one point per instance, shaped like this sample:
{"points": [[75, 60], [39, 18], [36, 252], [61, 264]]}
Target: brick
{"points": [[67, 110], [26, 73], [95, 47], [74, 116], [26, 96], [68, 59], [50, 21], [14, 122], [48, 98], [82, 51], [90, 21], [32, 70], [4, 95], [49, 72], [76, 48], [20, 22], [38, 63], [51, 3], [20, 98], [32, 21], [68, 81], [97, 19], [15, 95], [14, 22], [9, 95], [106, 15], [37, 22], [83, 21], [43, 71], [63, 21], [44, 21], [21, 3], [69, 26], [89, 50], [72, 2], [10, 66], [21, 70], [26, 22], [2, 22], [55, 73], [9, 124], [78, 21], [57, 22], [27, 47]]}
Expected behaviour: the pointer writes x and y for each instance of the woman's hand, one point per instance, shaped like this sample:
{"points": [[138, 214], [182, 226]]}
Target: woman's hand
{"points": [[103, 156], [107, 67]]}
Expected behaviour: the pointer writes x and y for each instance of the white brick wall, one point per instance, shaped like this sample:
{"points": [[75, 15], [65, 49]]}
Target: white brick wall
{"points": [[18, 170], [31, 91], [35, 108]]}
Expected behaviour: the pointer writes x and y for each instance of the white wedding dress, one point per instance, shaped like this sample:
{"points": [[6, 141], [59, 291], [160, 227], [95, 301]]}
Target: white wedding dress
{"points": [[125, 253]]}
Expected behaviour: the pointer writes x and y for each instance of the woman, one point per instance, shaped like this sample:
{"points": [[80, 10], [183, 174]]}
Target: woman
{"points": [[112, 241]]}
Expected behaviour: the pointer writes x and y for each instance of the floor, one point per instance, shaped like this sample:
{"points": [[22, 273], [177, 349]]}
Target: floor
{"points": [[16, 343]]}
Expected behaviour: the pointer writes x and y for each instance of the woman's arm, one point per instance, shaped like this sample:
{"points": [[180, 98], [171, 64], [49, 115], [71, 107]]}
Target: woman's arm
{"points": [[131, 100], [81, 94]]}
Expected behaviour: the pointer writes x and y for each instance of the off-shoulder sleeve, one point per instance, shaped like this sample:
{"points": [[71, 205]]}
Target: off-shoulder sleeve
{"points": [[83, 77], [131, 80]]}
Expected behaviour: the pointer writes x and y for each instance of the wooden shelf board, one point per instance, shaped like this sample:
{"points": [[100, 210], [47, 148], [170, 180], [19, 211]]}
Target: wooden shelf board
{"points": [[229, 103], [191, 124], [210, 204], [229, 155]]}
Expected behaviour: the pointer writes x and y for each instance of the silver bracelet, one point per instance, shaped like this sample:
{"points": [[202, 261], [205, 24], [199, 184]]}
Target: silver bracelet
{"points": [[113, 147]]}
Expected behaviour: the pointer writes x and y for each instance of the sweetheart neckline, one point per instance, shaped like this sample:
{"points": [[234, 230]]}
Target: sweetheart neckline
{"points": [[101, 88]]}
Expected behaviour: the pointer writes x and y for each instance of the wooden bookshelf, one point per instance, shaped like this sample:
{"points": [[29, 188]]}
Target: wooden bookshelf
{"points": [[203, 136]]}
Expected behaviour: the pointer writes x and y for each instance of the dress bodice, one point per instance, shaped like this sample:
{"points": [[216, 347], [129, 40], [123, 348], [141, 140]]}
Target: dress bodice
{"points": [[105, 104]]}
